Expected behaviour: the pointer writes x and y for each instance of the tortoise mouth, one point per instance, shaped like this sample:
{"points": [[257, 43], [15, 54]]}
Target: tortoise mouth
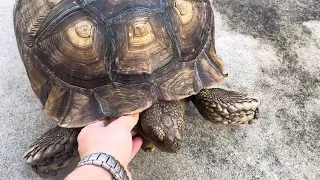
{"points": [[152, 146]]}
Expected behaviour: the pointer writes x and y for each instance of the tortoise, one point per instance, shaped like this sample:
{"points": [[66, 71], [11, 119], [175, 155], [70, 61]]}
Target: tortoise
{"points": [[92, 60]]}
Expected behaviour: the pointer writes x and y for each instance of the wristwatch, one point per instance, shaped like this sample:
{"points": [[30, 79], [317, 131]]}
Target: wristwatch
{"points": [[107, 162]]}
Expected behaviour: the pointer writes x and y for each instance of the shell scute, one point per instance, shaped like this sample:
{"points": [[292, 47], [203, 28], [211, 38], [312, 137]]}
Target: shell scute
{"points": [[90, 60]]}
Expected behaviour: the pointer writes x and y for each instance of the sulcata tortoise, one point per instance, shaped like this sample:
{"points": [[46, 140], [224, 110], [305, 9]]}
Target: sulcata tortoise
{"points": [[91, 60]]}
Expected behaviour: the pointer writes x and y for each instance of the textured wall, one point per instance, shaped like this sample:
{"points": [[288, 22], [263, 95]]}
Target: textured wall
{"points": [[270, 48]]}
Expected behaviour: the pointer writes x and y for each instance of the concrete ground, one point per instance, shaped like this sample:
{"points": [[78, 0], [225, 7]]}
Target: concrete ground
{"points": [[271, 49]]}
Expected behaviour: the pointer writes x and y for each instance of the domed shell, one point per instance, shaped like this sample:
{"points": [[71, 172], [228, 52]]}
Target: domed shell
{"points": [[92, 59]]}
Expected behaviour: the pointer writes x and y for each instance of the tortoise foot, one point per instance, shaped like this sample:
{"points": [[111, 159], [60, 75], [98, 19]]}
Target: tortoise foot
{"points": [[148, 146], [162, 125], [227, 107], [52, 150]]}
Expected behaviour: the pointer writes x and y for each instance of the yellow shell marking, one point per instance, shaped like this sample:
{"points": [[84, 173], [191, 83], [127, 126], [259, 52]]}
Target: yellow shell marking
{"points": [[81, 34], [185, 10], [53, 2], [141, 34]]}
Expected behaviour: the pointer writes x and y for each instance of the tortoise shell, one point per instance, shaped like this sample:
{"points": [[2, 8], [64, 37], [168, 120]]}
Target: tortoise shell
{"points": [[92, 59]]}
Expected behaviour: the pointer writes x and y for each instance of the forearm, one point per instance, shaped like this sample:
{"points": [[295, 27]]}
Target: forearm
{"points": [[89, 172]]}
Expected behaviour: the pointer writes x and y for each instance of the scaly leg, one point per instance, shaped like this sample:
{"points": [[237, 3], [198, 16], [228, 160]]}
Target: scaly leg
{"points": [[219, 105], [52, 150]]}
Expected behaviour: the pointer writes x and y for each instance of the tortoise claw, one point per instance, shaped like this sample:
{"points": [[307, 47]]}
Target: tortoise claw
{"points": [[148, 147]]}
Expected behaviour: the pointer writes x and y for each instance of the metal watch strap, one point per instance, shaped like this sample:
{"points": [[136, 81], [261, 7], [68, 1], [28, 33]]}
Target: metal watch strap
{"points": [[106, 161]]}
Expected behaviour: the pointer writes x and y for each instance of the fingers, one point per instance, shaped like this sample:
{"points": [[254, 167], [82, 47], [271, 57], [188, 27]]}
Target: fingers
{"points": [[129, 174], [127, 121], [130, 121], [97, 124], [134, 131], [136, 145]]}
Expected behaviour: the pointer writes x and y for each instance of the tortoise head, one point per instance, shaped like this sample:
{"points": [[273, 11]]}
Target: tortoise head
{"points": [[169, 141], [162, 125]]}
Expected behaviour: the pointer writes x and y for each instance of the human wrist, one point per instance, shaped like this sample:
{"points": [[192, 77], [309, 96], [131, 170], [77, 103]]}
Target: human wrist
{"points": [[90, 172], [116, 155], [107, 162]]}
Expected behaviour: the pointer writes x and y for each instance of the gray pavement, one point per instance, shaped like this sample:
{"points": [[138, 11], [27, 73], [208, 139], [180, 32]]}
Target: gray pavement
{"points": [[270, 48]]}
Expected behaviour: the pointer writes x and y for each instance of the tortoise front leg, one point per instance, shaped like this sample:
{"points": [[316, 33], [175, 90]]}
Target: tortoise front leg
{"points": [[162, 126], [219, 105], [52, 150]]}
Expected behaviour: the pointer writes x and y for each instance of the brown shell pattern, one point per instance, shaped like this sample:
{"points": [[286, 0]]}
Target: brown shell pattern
{"points": [[92, 59]]}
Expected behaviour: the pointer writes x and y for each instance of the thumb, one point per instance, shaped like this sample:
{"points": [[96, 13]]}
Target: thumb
{"points": [[136, 145]]}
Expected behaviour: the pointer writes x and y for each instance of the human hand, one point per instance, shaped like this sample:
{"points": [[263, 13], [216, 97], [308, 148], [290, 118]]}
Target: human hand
{"points": [[114, 139]]}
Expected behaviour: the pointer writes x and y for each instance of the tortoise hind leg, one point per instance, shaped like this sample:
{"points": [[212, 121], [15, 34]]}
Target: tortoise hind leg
{"points": [[219, 105], [162, 126], [52, 150]]}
